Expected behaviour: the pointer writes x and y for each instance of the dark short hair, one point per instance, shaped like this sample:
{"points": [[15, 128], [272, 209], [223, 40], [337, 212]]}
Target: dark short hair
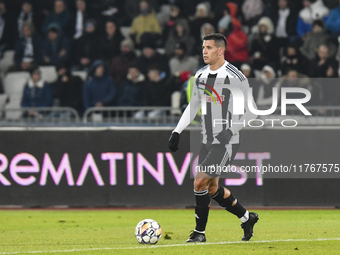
{"points": [[62, 64], [217, 38], [226, 8], [54, 30], [27, 2], [318, 22], [33, 68], [134, 66], [154, 67], [147, 1]]}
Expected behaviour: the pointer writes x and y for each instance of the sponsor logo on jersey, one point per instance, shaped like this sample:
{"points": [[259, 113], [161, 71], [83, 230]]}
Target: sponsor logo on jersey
{"points": [[208, 92], [214, 99]]}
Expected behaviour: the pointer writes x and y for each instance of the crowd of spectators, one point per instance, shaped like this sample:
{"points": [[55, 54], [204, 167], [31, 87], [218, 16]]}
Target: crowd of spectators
{"points": [[272, 41]]}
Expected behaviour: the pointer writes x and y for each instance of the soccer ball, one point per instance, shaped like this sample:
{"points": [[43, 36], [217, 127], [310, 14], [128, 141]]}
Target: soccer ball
{"points": [[148, 231]]}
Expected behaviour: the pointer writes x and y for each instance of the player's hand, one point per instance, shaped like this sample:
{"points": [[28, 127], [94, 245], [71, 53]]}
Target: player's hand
{"points": [[173, 142], [224, 136]]}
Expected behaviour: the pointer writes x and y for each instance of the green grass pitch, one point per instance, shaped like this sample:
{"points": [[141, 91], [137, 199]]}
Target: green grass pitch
{"points": [[112, 232]]}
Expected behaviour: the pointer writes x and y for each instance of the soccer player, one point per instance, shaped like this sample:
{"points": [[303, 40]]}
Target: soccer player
{"points": [[219, 136]]}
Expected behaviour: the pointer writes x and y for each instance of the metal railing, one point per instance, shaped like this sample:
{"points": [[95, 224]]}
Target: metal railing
{"points": [[321, 115], [131, 115], [39, 115]]}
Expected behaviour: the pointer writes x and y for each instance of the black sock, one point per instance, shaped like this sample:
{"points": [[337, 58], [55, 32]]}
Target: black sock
{"points": [[226, 203], [201, 209]]}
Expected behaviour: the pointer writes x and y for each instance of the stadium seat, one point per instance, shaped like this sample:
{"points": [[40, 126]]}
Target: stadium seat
{"points": [[257, 74], [48, 73], [14, 85], [125, 31], [81, 74], [3, 101], [138, 52], [7, 60], [161, 51], [175, 103]]}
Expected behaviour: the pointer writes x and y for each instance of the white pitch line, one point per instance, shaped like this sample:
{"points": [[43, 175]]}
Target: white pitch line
{"points": [[174, 245]]}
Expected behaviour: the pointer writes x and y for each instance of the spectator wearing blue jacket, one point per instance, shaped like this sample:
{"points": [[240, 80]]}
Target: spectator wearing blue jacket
{"points": [[132, 90], [37, 93], [313, 10], [100, 89], [333, 21], [60, 15], [56, 47]]}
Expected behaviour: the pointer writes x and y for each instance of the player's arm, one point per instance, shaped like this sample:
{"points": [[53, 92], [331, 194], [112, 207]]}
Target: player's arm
{"points": [[186, 118]]}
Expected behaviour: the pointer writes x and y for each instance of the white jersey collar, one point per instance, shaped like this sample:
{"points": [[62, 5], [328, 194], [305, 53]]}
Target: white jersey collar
{"points": [[217, 70]]}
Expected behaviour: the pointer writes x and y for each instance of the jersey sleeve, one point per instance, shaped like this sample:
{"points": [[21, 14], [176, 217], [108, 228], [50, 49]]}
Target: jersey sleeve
{"points": [[195, 95], [187, 116], [192, 108]]}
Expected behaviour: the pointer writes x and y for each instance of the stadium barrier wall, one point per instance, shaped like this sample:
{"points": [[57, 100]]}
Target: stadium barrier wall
{"points": [[101, 167]]}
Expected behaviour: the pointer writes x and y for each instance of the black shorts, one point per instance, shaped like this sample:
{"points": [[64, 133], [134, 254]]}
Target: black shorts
{"points": [[214, 159]]}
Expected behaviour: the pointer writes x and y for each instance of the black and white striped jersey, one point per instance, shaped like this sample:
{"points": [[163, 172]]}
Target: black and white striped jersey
{"points": [[208, 88]]}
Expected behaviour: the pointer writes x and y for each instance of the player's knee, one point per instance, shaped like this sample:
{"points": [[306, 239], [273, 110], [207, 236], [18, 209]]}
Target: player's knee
{"points": [[201, 184], [212, 190]]}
